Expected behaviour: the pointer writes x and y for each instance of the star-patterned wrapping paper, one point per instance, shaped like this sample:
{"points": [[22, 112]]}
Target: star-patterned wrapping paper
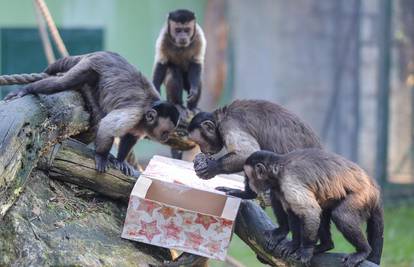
{"points": [[171, 227], [165, 225]]}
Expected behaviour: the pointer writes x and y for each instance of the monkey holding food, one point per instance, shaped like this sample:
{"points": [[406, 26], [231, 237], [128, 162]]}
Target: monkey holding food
{"points": [[130, 105], [312, 181], [179, 58], [243, 127]]}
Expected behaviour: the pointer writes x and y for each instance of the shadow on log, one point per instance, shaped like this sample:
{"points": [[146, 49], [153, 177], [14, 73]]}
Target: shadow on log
{"points": [[73, 163]]}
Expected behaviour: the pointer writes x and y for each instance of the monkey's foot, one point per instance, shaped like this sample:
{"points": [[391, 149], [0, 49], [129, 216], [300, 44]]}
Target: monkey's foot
{"points": [[272, 239], [304, 255], [287, 247], [354, 259], [322, 247], [101, 163]]}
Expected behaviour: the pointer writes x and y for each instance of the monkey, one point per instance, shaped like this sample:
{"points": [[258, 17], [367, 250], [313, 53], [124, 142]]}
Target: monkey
{"points": [[179, 58], [129, 105], [244, 127], [311, 181]]}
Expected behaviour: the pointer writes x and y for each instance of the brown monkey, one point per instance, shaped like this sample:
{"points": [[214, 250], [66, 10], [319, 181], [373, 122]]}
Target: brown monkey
{"points": [[310, 181], [244, 127], [179, 57], [130, 105]]}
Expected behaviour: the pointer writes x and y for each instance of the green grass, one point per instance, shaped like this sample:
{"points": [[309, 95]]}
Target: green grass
{"points": [[398, 240]]}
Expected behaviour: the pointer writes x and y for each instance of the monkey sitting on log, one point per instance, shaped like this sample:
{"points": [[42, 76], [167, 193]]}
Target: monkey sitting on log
{"points": [[130, 104], [243, 127], [179, 58], [312, 181]]}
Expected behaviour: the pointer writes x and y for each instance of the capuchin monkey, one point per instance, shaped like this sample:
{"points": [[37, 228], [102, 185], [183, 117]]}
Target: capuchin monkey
{"points": [[179, 58], [243, 127], [128, 104], [312, 181]]}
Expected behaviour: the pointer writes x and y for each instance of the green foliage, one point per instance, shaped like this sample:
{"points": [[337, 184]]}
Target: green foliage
{"points": [[398, 240]]}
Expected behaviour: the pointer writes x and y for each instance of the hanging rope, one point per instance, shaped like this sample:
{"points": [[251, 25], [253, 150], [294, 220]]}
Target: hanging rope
{"points": [[22, 78], [47, 46], [52, 27]]}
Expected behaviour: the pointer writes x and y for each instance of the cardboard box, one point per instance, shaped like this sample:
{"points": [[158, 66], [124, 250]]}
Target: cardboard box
{"points": [[171, 207]]}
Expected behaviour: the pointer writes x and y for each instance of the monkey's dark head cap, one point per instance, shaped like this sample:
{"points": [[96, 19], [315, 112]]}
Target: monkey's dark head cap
{"points": [[181, 15], [167, 110], [198, 119], [260, 156]]}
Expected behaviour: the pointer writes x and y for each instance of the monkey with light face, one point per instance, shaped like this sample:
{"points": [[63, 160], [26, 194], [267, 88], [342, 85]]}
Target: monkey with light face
{"points": [[311, 181], [244, 127], [129, 105], [179, 58]]}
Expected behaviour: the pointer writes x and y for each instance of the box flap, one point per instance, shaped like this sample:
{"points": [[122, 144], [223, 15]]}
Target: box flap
{"points": [[231, 208], [141, 187], [182, 172]]}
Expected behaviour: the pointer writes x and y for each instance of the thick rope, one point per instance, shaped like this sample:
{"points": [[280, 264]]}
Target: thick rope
{"points": [[22, 78], [52, 27]]}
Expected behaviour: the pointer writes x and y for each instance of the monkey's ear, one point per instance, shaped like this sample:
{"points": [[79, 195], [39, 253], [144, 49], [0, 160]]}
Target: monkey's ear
{"points": [[209, 126], [260, 170], [151, 116]]}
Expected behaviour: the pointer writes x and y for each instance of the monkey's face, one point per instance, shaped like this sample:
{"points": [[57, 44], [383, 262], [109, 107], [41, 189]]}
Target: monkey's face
{"points": [[182, 33], [162, 130], [257, 176], [157, 127], [207, 137]]}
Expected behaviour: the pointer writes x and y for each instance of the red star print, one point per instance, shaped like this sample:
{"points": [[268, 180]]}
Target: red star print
{"points": [[193, 240], [226, 223], [213, 246], [167, 212], [149, 230], [148, 206], [205, 220], [172, 230], [188, 219], [132, 233]]}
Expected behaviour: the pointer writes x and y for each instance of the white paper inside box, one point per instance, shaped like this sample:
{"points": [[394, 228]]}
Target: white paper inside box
{"points": [[168, 212]]}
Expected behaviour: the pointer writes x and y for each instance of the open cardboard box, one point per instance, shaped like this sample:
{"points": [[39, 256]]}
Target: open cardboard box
{"points": [[171, 207]]}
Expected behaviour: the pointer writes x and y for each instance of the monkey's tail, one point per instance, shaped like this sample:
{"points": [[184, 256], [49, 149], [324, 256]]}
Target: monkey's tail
{"points": [[62, 65], [375, 233]]}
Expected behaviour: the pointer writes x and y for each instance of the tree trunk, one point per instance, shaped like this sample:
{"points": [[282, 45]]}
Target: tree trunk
{"points": [[73, 162]]}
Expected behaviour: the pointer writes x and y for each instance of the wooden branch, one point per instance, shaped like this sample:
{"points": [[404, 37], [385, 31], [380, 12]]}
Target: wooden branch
{"points": [[29, 127], [73, 162]]}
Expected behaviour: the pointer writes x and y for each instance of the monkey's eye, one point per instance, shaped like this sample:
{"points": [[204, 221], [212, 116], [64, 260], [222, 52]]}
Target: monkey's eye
{"points": [[178, 30], [187, 30]]}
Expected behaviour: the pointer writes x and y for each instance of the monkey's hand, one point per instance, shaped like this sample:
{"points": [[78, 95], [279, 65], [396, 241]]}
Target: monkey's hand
{"points": [[192, 98], [16, 94], [273, 238], [304, 255], [236, 192], [287, 247], [205, 167], [101, 162]]}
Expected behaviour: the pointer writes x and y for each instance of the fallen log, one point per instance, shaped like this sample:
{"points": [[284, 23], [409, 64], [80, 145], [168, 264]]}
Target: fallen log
{"points": [[29, 127], [73, 162]]}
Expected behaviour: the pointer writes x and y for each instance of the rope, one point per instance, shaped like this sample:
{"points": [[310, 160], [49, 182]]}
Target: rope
{"points": [[22, 78], [47, 46], [52, 27]]}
